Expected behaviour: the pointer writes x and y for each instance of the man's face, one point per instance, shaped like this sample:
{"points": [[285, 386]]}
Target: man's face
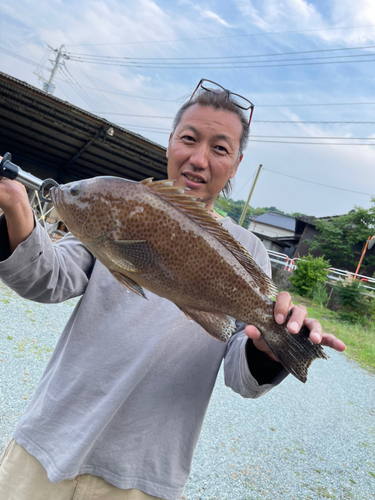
{"points": [[203, 151]]}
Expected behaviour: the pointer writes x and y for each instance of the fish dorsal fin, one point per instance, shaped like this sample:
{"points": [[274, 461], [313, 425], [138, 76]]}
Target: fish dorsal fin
{"points": [[196, 210]]}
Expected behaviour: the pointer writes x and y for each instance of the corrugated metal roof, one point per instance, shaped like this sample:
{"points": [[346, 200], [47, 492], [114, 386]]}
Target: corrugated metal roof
{"points": [[277, 220], [59, 140]]}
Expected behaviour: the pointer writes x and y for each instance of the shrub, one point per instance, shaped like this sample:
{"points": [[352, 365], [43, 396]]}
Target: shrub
{"points": [[355, 307], [320, 295], [309, 273]]}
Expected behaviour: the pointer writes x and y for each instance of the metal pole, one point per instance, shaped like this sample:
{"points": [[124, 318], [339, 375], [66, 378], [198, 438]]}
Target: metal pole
{"points": [[361, 259], [48, 87], [249, 198]]}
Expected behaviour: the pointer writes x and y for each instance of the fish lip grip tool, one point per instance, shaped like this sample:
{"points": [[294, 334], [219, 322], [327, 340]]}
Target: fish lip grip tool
{"points": [[12, 171]]}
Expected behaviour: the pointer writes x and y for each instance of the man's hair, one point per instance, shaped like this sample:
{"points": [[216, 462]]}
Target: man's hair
{"points": [[222, 102]]}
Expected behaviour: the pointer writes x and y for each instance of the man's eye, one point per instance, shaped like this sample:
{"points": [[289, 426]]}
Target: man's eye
{"points": [[188, 138], [221, 149]]}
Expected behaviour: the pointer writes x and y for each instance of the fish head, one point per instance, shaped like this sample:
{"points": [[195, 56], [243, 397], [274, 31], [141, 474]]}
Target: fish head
{"points": [[94, 208]]}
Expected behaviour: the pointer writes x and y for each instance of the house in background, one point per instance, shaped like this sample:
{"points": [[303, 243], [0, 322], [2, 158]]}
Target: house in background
{"points": [[285, 234], [276, 231]]}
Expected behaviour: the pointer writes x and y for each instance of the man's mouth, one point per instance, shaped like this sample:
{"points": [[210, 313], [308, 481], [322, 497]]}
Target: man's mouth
{"points": [[194, 178]]}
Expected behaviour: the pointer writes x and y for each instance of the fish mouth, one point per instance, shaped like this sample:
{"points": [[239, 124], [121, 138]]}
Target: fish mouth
{"points": [[196, 178], [55, 195]]}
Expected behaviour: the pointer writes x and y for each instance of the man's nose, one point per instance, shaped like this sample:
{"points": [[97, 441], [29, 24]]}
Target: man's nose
{"points": [[200, 156]]}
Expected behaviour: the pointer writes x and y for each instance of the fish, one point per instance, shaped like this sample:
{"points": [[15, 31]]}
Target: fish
{"points": [[153, 235]]}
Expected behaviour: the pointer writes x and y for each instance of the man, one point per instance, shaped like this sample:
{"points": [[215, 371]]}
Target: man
{"points": [[119, 409]]}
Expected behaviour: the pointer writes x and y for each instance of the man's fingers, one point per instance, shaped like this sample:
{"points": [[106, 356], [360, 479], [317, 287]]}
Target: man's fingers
{"points": [[297, 318], [282, 306], [252, 332], [330, 340]]}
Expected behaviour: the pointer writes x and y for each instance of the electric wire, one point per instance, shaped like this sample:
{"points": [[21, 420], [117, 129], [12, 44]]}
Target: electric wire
{"points": [[244, 185], [317, 183], [315, 143], [285, 105], [75, 87], [264, 33], [129, 95], [93, 105], [21, 58], [243, 65], [39, 69], [153, 59], [313, 137], [167, 132], [128, 62], [28, 61], [95, 87]]}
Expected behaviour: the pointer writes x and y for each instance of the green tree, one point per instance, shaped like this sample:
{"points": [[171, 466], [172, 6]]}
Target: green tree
{"points": [[342, 239], [309, 273], [233, 209]]}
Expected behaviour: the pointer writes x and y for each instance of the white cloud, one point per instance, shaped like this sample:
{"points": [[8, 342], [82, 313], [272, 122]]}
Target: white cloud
{"points": [[295, 15], [211, 15], [273, 15]]}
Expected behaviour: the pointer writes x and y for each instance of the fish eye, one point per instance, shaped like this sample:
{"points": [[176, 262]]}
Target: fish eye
{"points": [[75, 189]]}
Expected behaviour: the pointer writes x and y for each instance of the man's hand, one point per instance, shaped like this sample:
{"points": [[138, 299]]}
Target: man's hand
{"points": [[15, 204], [298, 317]]}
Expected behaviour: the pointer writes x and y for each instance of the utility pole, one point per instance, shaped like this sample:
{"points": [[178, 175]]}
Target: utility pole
{"points": [[49, 87], [249, 198]]}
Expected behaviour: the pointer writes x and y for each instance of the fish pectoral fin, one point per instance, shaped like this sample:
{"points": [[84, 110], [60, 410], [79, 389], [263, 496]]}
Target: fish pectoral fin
{"points": [[219, 326], [129, 284], [131, 255]]}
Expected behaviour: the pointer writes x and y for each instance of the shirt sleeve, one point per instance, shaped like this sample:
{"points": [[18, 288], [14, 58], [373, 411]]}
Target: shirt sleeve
{"points": [[44, 272], [246, 369]]}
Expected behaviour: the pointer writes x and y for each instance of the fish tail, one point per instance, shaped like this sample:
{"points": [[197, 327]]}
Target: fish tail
{"points": [[297, 351]]}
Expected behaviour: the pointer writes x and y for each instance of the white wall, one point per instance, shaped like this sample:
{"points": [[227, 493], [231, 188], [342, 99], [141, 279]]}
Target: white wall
{"points": [[267, 230]]}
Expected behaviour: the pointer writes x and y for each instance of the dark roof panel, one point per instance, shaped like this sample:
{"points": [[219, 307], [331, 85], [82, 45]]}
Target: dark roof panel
{"points": [[62, 141]]}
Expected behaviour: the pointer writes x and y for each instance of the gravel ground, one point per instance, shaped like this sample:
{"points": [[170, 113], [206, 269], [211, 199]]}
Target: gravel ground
{"points": [[299, 441]]}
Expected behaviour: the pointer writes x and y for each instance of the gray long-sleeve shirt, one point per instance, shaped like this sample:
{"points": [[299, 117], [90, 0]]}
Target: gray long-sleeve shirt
{"points": [[127, 387]]}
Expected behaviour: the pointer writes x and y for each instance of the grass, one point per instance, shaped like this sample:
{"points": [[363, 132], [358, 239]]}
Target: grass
{"points": [[360, 341]]}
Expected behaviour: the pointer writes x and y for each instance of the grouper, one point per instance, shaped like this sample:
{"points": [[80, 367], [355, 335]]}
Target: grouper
{"points": [[152, 235]]}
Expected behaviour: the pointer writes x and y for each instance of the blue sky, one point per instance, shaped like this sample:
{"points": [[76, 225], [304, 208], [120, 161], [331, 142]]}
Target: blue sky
{"points": [[197, 34]]}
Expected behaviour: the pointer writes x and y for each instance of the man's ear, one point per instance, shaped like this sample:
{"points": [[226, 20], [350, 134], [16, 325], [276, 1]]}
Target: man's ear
{"points": [[234, 171], [169, 140]]}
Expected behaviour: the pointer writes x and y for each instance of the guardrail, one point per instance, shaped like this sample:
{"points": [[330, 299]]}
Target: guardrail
{"points": [[282, 261], [339, 274]]}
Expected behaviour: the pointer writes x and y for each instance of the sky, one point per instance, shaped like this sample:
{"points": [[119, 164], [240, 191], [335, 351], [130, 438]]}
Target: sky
{"points": [[308, 67]]}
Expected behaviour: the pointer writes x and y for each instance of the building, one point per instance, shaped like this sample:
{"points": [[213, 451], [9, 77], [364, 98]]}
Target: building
{"points": [[276, 231], [51, 138]]}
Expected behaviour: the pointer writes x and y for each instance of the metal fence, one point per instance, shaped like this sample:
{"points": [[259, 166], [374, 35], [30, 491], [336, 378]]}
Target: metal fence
{"points": [[282, 261]]}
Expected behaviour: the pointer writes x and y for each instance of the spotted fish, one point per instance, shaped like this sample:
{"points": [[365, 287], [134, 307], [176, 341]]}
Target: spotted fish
{"points": [[152, 235]]}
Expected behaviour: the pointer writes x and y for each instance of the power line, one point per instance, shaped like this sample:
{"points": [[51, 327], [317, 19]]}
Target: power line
{"points": [[232, 66], [28, 61], [74, 84], [314, 104], [139, 116], [258, 106], [264, 33], [311, 137], [310, 121], [24, 59], [315, 143], [95, 86], [278, 54], [318, 183], [167, 132], [129, 95], [248, 180]]}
